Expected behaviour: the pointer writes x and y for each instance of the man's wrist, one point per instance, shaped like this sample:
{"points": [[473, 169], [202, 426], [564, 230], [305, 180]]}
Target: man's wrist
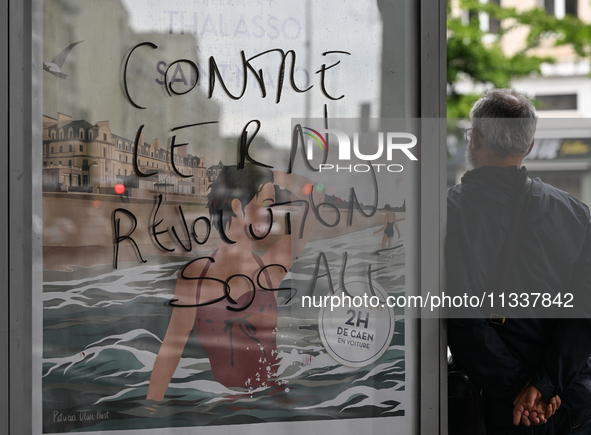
{"points": [[542, 382], [517, 388]]}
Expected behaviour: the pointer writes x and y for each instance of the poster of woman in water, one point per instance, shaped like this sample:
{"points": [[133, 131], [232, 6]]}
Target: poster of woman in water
{"points": [[224, 219]]}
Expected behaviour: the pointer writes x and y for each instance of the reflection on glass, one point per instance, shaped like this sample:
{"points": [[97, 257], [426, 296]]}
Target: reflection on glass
{"points": [[151, 109]]}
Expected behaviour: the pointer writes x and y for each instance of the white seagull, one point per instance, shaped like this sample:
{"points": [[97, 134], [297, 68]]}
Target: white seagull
{"points": [[55, 66]]}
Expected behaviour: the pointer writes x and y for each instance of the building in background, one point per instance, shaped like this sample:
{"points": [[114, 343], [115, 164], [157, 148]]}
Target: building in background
{"points": [[562, 92]]}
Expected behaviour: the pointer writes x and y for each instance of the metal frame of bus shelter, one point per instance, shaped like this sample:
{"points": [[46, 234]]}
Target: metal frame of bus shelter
{"points": [[21, 245]]}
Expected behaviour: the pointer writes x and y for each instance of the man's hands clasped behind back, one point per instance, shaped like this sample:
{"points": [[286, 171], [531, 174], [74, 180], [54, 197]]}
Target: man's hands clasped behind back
{"points": [[531, 408]]}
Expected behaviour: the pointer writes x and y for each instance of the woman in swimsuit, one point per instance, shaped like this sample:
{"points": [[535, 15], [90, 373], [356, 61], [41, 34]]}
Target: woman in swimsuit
{"points": [[390, 223], [236, 322]]}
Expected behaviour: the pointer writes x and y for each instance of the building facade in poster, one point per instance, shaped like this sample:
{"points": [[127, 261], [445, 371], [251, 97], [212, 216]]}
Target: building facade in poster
{"points": [[80, 156]]}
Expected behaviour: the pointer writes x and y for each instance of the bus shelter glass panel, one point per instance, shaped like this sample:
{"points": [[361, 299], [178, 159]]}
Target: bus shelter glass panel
{"points": [[229, 188]]}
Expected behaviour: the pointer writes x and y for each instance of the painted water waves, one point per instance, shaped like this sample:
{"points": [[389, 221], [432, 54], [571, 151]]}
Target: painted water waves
{"points": [[103, 328]]}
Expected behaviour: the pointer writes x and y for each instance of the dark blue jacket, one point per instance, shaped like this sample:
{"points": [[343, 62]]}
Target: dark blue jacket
{"points": [[553, 256]]}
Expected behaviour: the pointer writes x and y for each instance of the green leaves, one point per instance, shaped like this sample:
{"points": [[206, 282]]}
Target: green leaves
{"points": [[478, 56]]}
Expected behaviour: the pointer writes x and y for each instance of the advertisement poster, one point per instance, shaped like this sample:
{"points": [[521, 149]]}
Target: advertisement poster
{"points": [[225, 215]]}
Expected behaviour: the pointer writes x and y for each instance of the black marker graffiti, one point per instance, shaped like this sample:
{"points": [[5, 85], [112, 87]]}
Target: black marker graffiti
{"points": [[168, 87], [248, 69], [119, 238], [323, 70], [245, 145], [155, 224], [134, 104], [208, 226]]}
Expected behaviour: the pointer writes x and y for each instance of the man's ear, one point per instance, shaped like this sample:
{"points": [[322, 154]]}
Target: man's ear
{"points": [[477, 140], [237, 207], [531, 147]]}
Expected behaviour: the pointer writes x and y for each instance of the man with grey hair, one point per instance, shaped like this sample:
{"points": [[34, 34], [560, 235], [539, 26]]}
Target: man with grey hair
{"points": [[508, 233], [508, 120]]}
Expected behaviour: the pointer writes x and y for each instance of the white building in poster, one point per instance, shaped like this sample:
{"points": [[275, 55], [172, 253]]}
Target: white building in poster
{"points": [[82, 157]]}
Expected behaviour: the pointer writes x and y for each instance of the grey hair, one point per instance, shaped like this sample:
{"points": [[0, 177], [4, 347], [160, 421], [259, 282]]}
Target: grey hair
{"points": [[506, 120]]}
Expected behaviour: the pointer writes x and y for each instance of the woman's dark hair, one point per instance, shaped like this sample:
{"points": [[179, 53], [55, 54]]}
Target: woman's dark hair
{"points": [[233, 183], [387, 207]]}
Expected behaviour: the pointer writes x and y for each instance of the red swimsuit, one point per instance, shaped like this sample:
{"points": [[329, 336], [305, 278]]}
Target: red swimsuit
{"points": [[241, 345]]}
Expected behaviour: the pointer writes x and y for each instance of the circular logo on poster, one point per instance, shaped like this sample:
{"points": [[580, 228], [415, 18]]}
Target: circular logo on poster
{"points": [[356, 326]]}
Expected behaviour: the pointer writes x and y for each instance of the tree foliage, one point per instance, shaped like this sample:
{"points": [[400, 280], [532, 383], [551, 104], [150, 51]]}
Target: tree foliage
{"points": [[473, 55]]}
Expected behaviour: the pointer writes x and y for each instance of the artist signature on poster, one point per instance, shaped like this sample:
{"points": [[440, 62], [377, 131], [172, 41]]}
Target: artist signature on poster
{"points": [[60, 417]]}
